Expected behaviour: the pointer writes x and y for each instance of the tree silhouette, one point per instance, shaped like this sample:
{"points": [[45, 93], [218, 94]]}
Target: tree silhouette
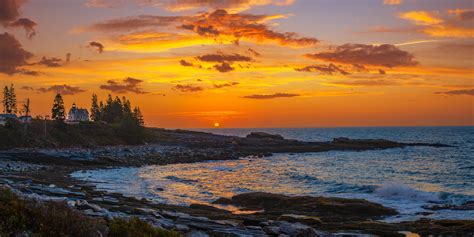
{"points": [[58, 110]]}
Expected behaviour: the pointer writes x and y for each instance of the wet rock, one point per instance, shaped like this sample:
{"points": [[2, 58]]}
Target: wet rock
{"points": [[297, 229], [197, 234], [207, 208], [182, 228], [467, 206], [272, 230], [264, 135], [223, 201], [311, 220], [323, 207]]}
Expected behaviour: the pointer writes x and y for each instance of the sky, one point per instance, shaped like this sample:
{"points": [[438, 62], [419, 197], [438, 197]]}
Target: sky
{"points": [[247, 63]]}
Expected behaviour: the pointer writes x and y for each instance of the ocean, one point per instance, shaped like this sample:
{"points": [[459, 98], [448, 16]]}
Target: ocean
{"points": [[403, 178]]}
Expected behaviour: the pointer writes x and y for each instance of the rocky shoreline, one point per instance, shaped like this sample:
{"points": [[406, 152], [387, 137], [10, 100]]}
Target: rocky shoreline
{"points": [[43, 174]]}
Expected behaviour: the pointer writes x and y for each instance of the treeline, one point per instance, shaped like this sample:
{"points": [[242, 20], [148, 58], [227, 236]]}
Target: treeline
{"points": [[112, 122], [119, 111]]}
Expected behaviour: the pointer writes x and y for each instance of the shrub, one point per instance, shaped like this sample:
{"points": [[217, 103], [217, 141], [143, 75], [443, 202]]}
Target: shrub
{"points": [[137, 228]]}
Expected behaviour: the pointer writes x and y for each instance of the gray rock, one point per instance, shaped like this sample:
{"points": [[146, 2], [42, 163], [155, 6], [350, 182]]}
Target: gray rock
{"points": [[197, 234], [272, 230], [181, 228]]}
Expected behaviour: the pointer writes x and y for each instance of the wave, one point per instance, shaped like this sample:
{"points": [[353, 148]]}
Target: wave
{"points": [[401, 191]]}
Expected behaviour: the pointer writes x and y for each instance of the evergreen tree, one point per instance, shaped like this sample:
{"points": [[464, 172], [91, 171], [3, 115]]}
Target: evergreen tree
{"points": [[6, 99], [9, 100], [138, 116], [95, 109], [58, 110], [13, 108], [26, 107]]}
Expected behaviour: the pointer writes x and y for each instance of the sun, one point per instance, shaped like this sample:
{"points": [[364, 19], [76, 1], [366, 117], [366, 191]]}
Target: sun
{"points": [[217, 125]]}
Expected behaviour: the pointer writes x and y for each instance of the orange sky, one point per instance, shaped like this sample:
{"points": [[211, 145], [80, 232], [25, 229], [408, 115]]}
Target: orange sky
{"points": [[247, 63]]}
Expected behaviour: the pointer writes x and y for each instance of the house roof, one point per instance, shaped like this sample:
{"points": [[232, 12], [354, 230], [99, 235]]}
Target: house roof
{"points": [[6, 116]]}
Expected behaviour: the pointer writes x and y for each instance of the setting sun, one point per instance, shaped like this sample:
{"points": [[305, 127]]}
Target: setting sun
{"points": [[217, 125]]}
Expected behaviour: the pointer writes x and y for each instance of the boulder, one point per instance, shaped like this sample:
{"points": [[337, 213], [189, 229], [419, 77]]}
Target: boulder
{"points": [[264, 135], [311, 220]]}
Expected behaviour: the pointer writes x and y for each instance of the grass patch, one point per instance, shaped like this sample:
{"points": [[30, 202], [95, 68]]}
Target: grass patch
{"points": [[50, 219]]}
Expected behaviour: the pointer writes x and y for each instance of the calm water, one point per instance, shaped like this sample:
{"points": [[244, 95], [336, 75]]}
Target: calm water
{"points": [[404, 178]]}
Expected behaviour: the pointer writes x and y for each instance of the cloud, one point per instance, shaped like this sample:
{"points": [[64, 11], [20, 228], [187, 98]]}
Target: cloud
{"points": [[9, 10], [68, 57], [50, 62], [323, 69], [128, 85], [238, 27], [187, 88], [218, 26], [421, 18], [223, 67], [365, 83], [27, 24], [463, 14], [185, 63], [382, 72], [182, 5], [133, 23], [9, 13], [99, 46], [386, 55], [27, 88], [433, 25], [62, 89], [392, 2], [254, 53], [457, 92], [229, 84], [270, 96], [12, 55], [223, 61], [224, 58]]}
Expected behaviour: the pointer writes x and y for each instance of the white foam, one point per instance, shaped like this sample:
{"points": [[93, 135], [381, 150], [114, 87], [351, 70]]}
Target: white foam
{"points": [[403, 192]]}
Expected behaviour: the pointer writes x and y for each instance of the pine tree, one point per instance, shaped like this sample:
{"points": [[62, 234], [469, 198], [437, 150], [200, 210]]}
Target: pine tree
{"points": [[138, 116], [26, 107], [13, 108], [58, 110], [95, 109], [6, 100]]}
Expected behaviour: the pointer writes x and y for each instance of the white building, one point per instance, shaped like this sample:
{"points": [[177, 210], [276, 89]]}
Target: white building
{"points": [[76, 115], [5, 117]]}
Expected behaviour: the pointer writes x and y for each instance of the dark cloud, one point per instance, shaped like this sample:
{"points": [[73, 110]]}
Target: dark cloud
{"points": [[68, 57], [27, 88], [9, 10], [382, 72], [50, 62], [12, 55], [223, 67], [128, 85], [220, 25], [26, 24], [386, 55], [323, 69], [457, 92], [271, 96], [185, 63], [134, 23], [254, 53], [62, 89], [242, 26], [224, 61], [359, 68], [99, 46], [372, 82], [187, 88], [180, 5], [466, 15], [229, 84], [219, 58]]}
